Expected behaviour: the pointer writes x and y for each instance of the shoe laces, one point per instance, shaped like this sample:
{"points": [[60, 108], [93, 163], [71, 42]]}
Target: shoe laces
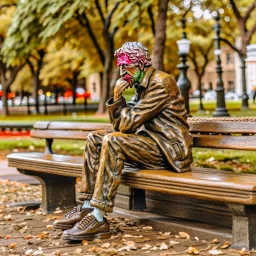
{"points": [[73, 211], [85, 221]]}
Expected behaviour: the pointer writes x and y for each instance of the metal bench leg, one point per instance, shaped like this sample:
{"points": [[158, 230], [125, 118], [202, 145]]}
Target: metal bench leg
{"points": [[244, 226], [57, 191]]}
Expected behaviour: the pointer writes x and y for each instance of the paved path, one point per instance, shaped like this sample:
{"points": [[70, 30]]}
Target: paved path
{"points": [[10, 173]]}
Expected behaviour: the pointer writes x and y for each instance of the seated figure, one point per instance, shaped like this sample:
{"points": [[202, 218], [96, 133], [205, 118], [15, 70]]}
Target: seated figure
{"points": [[150, 132]]}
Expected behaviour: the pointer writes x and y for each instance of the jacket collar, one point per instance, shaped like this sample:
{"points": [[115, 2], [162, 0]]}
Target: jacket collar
{"points": [[147, 76]]}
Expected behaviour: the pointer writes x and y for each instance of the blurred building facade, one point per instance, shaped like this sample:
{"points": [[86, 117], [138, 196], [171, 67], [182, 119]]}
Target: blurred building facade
{"points": [[231, 66], [209, 80]]}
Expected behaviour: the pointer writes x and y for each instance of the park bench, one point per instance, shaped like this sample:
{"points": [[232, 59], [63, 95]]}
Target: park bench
{"points": [[58, 173]]}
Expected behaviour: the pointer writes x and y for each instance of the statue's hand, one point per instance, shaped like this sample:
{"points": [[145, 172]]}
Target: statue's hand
{"points": [[120, 86]]}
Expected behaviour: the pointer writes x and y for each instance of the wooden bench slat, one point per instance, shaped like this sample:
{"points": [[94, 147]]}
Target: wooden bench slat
{"points": [[41, 125], [83, 126], [222, 127], [225, 141], [79, 126], [54, 134]]}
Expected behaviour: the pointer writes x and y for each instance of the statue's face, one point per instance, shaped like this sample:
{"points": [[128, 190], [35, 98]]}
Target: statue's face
{"points": [[127, 68]]}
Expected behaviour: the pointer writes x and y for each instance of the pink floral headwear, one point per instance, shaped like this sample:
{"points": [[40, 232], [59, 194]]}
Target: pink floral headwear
{"points": [[133, 53]]}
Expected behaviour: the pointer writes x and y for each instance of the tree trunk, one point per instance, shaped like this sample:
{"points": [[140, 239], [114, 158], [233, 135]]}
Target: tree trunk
{"points": [[199, 79], [160, 35], [74, 85], [105, 90], [5, 100], [36, 88]]}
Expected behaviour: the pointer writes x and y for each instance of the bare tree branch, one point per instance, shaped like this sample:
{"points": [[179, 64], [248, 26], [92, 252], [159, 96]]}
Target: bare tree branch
{"points": [[231, 45], [193, 59], [151, 17], [235, 9], [100, 11], [13, 71], [108, 20], [250, 9], [85, 23], [106, 5], [31, 67]]}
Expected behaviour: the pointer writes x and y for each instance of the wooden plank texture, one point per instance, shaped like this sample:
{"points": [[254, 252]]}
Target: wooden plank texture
{"points": [[224, 141], [56, 134], [83, 126], [222, 127]]}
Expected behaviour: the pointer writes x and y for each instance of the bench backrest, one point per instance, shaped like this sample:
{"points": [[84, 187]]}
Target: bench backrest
{"points": [[222, 133]]}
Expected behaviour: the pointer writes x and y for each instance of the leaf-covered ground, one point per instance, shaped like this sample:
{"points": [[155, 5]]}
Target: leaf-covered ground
{"points": [[30, 232]]}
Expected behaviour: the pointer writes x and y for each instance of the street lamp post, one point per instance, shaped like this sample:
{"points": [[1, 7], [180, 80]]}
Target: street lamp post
{"points": [[245, 97], [183, 81], [221, 109]]}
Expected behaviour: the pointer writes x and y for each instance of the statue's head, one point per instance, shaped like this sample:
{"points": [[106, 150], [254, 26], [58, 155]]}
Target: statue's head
{"points": [[132, 59]]}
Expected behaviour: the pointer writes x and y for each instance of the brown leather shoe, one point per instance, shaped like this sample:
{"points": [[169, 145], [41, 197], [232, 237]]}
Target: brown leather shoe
{"points": [[71, 218], [88, 228]]}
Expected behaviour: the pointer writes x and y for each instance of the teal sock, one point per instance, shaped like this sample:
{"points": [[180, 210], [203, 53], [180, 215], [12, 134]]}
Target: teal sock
{"points": [[86, 204], [98, 214]]}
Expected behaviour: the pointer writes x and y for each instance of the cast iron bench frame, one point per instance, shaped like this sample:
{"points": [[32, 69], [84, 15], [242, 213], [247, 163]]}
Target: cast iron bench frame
{"points": [[58, 173]]}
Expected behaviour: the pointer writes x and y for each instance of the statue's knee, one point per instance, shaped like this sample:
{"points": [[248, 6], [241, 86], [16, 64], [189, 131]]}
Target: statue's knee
{"points": [[112, 137], [91, 135]]}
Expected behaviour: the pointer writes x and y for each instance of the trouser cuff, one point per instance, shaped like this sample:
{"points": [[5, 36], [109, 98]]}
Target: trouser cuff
{"points": [[84, 196], [102, 205]]}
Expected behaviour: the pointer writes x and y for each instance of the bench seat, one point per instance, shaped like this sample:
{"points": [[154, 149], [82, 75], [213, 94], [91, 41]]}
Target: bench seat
{"points": [[204, 183]]}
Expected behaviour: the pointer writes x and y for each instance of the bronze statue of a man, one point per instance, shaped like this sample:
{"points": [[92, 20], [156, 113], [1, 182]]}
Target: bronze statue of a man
{"points": [[151, 132]]}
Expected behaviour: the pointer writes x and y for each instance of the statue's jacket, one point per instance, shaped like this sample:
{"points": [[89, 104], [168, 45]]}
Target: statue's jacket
{"points": [[157, 110]]}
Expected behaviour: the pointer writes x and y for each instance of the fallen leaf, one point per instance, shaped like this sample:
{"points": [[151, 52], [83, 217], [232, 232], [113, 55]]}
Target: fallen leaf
{"points": [[154, 248], [57, 253], [43, 235], [128, 236], [12, 246], [8, 217], [146, 246], [171, 242], [105, 245], [215, 241], [163, 246], [98, 241], [147, 228], [93, 249], [59, 211], [28, 237], [225, 245], [84, 242], [184, 235], [28, 252], [7, 237], [244, 252], [49, 227], [130, 243], [193, 250], [215, 252]]}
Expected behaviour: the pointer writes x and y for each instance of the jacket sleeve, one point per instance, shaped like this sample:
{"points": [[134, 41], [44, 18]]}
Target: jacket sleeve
{"points": [[154, 101], [114, 111]]}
